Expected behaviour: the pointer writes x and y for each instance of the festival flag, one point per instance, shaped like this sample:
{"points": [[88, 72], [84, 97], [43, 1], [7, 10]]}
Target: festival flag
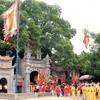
{"points": [[86, 39], [73, 77], [62, 78], [11, 21], [39, 75], [45, 75], [76, 77], [42, 76], [78, 74]]}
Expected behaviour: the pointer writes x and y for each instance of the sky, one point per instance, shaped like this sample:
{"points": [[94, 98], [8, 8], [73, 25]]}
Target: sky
{"points": [[80, 14]]}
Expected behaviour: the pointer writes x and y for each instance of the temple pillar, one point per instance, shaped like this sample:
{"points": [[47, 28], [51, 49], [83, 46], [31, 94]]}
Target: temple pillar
{"points": [[27, 80]]}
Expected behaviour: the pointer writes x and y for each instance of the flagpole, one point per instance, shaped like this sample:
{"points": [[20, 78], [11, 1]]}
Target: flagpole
{"points": [[17, 50]]}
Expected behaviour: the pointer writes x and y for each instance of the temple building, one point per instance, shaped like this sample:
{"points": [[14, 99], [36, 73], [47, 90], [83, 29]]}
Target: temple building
{"points": [[58, 71], [29, 68], [7, 80]]}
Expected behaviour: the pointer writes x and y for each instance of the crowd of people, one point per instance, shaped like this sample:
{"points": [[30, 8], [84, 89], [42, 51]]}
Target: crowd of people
{"points": [[91, 91], [85, 90]]}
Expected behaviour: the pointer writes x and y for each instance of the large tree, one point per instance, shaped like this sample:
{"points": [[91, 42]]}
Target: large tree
{"points": [[42, 24], [90, 62], [95, 56], [52, 28]]}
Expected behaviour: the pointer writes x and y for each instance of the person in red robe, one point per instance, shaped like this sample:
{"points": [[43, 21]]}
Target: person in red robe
{"points": [[52, 89], [35, 88], [66, 90], [58, 90], [46, 88], [70, 91], [40, 89], [43, 87]]}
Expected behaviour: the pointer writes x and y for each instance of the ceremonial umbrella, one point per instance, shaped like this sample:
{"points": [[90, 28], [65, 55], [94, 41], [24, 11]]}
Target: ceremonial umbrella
{"points": [[85, 77], [80, 86]]}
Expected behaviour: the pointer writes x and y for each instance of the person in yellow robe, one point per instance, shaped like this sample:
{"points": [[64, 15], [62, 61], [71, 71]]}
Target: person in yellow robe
{"points": [[73, 91], [93, 93], [98, 90], [88, 92], [84, 91], [78, 91]]}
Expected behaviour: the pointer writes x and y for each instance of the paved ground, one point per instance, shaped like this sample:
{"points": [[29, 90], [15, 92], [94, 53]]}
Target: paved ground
{"points": [[56, 98]]}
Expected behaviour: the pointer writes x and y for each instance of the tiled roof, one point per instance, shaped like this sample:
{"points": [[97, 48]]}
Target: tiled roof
{"points": [[6, 67], [6, 58]]}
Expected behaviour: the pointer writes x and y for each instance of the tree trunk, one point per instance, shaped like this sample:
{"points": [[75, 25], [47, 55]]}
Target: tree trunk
{"points": [[68, 76]]}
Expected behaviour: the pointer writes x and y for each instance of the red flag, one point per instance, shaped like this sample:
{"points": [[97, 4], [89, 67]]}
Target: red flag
{"points": [[86, 39], [11, 21]]}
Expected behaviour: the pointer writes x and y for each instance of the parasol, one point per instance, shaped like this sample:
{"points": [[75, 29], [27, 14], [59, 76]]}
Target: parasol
{"points": [[85, 77], [80, 86]]}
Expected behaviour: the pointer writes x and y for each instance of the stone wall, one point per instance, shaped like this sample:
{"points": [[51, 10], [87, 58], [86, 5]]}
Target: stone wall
{"points": [[4, 96], [28, 65], [8, 74], [23, 96]]}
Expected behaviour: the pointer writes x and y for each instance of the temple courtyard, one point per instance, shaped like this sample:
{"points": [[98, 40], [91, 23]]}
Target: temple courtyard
{"points": [[55, 98]]}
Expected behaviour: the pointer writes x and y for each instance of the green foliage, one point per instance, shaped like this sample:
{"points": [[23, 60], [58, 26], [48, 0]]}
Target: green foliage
{"points": [[95, 56], [84, 61], [91, 61], [97, 40], [43, 25], [64, 53], [3, 49]]}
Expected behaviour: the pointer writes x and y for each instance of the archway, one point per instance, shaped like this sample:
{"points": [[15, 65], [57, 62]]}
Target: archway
{"points": [[33, 77], [59, 81], [3, 85]]}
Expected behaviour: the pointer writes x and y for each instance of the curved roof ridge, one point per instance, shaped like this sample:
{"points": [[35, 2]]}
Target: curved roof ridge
{"points": [[6, 58], [6, 67]]}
